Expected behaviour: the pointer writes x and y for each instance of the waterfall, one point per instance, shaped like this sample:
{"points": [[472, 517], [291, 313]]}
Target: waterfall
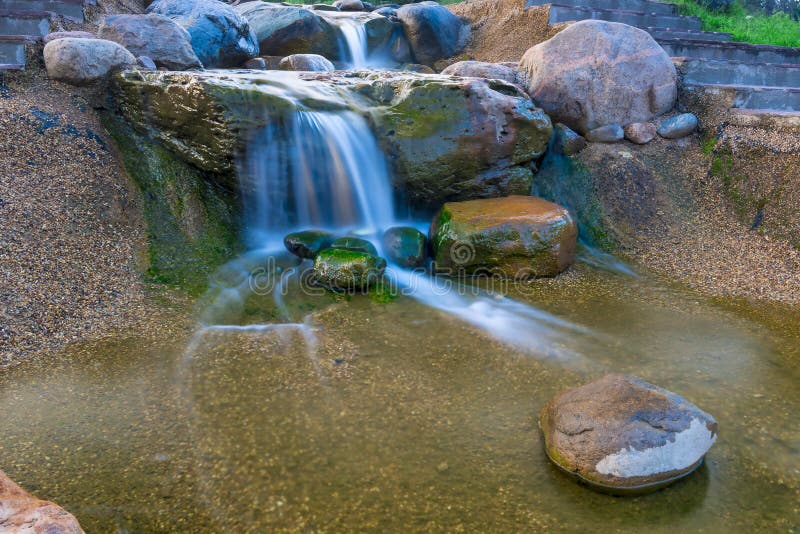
{"points": [[314, 169], [354, 36]]}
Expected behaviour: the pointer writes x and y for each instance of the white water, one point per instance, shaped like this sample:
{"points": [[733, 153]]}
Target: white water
{"points": [[354, 36]]}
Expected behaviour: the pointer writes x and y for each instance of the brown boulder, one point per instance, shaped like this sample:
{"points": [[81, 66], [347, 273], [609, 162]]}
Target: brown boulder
{"points": [[595, 73], [623, 435], [513, 237], [22, 512]]}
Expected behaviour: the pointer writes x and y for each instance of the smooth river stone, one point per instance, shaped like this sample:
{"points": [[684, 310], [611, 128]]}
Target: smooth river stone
{"points": [[678, 126], [625, 436], [21, 512]]}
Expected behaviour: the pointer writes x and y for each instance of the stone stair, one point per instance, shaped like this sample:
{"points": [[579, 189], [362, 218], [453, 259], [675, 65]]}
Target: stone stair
{"points": [[24, 22], [760, 77]]}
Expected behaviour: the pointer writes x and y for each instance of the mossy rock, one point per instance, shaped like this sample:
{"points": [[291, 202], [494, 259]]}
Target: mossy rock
{"points": [[355, 244], [516, 237], [308, 243], [405, 246], [347, 270]]}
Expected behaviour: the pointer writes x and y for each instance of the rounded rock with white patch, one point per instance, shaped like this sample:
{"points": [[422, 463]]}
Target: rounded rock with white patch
{"points": [[624, 435]]}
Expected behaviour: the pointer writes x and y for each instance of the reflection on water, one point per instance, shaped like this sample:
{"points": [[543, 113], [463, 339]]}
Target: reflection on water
{"points": [[406, 419]]}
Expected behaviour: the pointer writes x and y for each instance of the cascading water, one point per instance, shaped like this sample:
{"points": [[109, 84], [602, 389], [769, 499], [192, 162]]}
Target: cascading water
{"points": [[314, 169], [354, 35]]}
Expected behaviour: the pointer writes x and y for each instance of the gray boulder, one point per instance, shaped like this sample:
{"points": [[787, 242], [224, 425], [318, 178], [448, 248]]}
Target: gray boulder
{"points": [[85, 61], [349, 5], [481, 69], [285, 30], [158, 37], [433, 31], [405, 246], [623, 435], [306, 63], [640, 133], [220, 37], [612, 133], [678, 126], [388, 12], [595, 73]]}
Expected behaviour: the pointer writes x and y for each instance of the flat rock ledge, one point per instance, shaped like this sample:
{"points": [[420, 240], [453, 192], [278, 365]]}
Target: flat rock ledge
{"points": [[624, 436], [22, 512]]}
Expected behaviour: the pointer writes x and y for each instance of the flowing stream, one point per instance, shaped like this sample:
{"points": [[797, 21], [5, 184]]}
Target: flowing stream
{"points": [[287, 408]]}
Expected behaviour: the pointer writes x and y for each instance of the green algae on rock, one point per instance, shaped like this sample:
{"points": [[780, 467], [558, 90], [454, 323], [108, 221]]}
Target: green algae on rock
{"points": [[355, 244], [348, 270], [191, 221], [515, 237], [447, 138]]}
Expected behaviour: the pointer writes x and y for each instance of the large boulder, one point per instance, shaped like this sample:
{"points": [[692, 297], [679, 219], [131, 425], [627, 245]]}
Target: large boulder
{"points": [[624, 435], [85, 61], [595, 73], [433, 31], [158, 37], [446, 138], [515, 237], [482, 69], [220, 37], [22, 512], [306, 63]]}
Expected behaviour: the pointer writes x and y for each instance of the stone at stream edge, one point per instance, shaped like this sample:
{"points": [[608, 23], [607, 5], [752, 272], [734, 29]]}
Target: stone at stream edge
{"points": [[355, 244], [623, 435], [22, 512], [678, 126], [308, 243], [306, 63], [405, 246], [640, 133], [347, 270], [515, 237], [567, 141], [612, 133]]}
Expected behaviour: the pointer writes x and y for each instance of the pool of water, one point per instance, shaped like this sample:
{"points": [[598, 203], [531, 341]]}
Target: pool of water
{"points": [[399, 417]]}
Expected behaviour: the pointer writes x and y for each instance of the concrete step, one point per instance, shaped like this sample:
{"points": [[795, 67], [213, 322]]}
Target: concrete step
{"points": [[72, 9], [561, 13], [709, 71], [755, 97], [12, 50], [687, 35], [641, 6], [19, 22], [731, 51]]}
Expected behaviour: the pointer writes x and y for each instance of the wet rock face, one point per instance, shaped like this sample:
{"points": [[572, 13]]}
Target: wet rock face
{"points": [[515, 237], [433, 31], [596, 73], [220, 37], [355, 244], [405, 246], [284, 30], [626, 435], [85, 61], [347, 270], [446, 138], [155, 36], [308, 243], [22, 512]]}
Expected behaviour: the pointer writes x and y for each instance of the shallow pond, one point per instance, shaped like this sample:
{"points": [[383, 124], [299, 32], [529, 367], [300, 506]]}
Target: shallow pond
{"points": [[401, 417]]}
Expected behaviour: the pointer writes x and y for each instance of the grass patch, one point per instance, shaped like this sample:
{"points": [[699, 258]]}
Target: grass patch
{"points": [[757, 28]]}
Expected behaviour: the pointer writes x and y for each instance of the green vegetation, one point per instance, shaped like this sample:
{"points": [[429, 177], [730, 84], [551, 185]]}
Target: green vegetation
{"points": [[757, 28]]}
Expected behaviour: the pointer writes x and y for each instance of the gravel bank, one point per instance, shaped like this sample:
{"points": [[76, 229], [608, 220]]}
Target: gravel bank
{"points": [[71, 233]]}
